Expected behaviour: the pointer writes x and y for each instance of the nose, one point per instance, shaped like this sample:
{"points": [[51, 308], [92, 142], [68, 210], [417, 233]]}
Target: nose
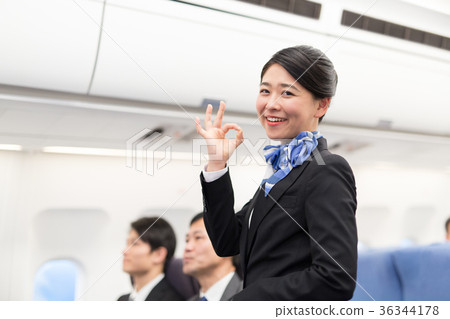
{"points": [[273, 102], [125, 250], [188, 246]]}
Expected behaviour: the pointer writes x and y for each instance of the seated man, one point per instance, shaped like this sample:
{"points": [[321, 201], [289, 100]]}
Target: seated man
{"points": [[217, 276], [150, 246]]}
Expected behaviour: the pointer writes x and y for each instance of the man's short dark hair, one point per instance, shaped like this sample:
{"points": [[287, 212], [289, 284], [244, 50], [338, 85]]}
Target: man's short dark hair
{"points": [[157, 232], [196, 217], [236, 259], [446, 224]]}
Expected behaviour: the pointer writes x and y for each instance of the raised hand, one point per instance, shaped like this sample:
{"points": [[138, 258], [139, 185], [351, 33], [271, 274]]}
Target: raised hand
{"points": [[219, 147]]}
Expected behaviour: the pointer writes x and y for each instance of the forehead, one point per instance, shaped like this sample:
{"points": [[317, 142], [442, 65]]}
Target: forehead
{"points": [[198, 225], [276, 73], [133, 234]]}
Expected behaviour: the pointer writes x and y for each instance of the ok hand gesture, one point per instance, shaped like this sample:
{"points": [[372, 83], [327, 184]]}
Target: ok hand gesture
{"points": [[220, 148]]}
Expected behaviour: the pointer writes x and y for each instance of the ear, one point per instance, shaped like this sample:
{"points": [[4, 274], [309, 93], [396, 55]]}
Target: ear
{"points": [[322, 107], [159, 255]]}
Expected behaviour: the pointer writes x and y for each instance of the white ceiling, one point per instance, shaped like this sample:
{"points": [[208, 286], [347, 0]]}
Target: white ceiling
{"points": [[155, 55], [442, 6]]}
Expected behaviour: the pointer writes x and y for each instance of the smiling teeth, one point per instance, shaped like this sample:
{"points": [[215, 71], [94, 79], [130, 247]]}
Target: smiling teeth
{"points": [[274, 119]]}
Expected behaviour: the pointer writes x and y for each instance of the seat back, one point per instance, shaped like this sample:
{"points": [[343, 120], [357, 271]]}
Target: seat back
{"points": [[424, 272], [378, 276], [185, 285]]}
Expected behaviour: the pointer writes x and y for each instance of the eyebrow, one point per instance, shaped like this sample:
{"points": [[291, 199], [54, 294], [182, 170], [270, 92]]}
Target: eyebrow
{"points": [[194, 233], [283, 85]]}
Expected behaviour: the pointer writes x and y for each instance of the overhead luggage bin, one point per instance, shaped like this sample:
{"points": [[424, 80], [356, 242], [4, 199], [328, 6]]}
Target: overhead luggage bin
{"points": [[49, 44]]}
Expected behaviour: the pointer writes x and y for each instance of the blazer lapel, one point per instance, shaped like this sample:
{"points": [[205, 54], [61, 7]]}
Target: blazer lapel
{"points": [[158, 291], [244, 234], [233, 287], [264, 204]]}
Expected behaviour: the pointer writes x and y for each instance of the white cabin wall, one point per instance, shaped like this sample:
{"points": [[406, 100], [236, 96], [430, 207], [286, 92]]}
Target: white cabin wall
{"points": [[10, 182], [402, 192]]}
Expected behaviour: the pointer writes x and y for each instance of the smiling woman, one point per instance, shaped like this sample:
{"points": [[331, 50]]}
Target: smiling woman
{"points": [[297, 237]]}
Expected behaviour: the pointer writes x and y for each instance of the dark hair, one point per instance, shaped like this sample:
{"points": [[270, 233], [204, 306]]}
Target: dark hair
{"points": [[310, 67], [236, 260], [446, 224], [196, 217], [157, 233]]}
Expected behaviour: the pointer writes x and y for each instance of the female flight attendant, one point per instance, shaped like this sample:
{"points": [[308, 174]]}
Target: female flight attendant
{"points": [[297, 237]]}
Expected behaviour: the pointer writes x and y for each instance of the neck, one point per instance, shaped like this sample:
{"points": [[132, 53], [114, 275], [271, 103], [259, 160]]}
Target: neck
{"points": [[282, 140], [287, 140], [140, 280], [208, 279]]}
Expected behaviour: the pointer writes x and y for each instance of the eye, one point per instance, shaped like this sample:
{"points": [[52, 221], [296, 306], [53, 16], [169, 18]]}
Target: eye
{"points": [[264, 91], [287, 93]]}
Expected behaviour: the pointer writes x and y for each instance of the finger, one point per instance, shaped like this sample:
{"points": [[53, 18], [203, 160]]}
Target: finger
{"points": [[198, 127], [230, 126], [219, 116], [239, 138], [208, 112]]}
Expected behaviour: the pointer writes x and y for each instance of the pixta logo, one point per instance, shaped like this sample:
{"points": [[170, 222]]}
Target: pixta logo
{"points": [[144, 151]]}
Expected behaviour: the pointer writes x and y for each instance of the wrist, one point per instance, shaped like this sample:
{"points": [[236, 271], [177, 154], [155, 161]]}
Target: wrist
{"points": [[215, 166]]}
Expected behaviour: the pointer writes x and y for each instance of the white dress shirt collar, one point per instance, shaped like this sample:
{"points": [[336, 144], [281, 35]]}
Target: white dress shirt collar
{"points": [[215, 292], [142, 294]]}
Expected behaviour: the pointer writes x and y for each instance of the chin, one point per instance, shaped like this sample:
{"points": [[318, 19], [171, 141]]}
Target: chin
{"points": [[188, 271], [274, 135]]}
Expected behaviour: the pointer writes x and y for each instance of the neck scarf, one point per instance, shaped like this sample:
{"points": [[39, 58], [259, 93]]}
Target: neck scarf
{"points": [[285, 157]]}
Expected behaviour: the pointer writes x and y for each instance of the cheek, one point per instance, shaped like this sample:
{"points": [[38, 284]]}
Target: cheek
{"points": [[291, 108], [141, 253], [260, 104], [205, 253]]}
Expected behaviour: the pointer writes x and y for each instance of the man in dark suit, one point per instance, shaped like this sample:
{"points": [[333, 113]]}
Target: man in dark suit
{"points": [[218, 276], [150, 246]]}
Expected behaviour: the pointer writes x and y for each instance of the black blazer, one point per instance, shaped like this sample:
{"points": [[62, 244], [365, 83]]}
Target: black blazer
{"points": [[302, 242], [163, 291]]}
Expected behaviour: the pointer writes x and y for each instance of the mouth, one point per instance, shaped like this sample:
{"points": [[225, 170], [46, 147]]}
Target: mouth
{"points": [[273, 120]]}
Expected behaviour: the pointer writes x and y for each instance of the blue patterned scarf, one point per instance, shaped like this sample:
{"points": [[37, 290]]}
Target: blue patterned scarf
{"points": [[285, 157]]}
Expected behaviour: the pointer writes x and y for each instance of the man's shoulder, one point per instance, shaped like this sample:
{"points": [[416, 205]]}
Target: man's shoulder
{"points": [[164, 291], [234, 286], [124, 297]]}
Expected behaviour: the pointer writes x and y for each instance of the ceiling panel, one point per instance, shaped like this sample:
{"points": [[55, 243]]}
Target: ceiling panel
{"points": [[49, 44]]}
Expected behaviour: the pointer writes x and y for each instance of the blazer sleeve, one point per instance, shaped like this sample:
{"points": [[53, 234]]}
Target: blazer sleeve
{"points": [[330, 219], [222, 224]]}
